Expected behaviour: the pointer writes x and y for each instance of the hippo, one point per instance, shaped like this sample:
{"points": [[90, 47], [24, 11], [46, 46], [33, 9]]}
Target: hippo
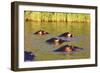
{"points": [[55, 41], [68, 49], [66, 34], [28, 56], [41, 32]]}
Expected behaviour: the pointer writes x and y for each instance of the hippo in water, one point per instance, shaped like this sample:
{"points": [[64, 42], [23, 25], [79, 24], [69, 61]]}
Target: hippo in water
{"points": [[68, 49], [66, 34], [55, 41], [28, 56], [41, 32]]}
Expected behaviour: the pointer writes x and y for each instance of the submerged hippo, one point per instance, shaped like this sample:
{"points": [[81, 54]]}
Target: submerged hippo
{"points": [[66, 34], [41, 32], [55, 41], [28, 56], [68, 49]]}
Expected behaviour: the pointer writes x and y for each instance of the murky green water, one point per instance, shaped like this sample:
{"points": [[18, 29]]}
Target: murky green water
{"points": [[44, 51]]}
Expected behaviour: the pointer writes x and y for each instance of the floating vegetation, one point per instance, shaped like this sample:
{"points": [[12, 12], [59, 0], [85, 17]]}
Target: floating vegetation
{"points": [[28, 56]]}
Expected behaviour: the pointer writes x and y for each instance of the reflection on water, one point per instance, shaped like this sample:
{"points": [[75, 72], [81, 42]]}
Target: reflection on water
{"points": [[44, 51]]}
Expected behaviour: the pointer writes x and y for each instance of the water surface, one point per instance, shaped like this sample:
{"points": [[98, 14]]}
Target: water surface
{"points": [[44, 51]]}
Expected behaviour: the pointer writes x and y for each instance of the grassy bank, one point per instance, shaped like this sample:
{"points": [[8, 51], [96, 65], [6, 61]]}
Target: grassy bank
{"points": [[56, 17]]}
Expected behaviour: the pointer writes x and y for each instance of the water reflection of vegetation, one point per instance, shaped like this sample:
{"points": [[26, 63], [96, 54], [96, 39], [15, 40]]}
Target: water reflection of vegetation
{"points": [[58, 28]]}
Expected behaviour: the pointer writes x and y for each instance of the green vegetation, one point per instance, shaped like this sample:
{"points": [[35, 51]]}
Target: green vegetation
{"points": [[56, 17]]}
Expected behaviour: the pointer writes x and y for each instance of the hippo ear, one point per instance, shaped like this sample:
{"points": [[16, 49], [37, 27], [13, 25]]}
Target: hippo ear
{"points": [[35, 32], [47, 33]]}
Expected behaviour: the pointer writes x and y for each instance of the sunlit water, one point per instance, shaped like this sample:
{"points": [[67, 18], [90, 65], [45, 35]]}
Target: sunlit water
{"points": [[44, 51]]}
